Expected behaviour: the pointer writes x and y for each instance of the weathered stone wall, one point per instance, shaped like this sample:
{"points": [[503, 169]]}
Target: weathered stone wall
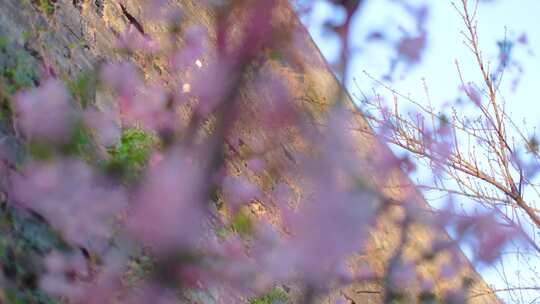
{"points": [[77, 35]]}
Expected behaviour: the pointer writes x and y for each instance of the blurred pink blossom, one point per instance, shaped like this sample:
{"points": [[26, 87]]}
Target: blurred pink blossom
{"points": [[168, 213], [154, 9], [457, 296], [150, 109], [72, 198], [402, 276], [276, 108], [133, 40], [282, 194], [210, 86], [256, 165], [523, 39], [195, 40], [411, 48], [70, 276], [153, 293], [63, 272], [487, 236], [44, 113], [123, 78], [107, 131], [473, 94], [238, 191]]}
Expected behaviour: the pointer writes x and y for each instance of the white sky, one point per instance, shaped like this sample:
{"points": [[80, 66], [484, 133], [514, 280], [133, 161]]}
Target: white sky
{"points": [[444, 46]]}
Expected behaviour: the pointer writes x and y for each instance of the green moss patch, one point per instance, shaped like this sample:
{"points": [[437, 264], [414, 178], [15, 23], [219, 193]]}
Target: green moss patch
{"points": [[274, 296], [127, 160]]}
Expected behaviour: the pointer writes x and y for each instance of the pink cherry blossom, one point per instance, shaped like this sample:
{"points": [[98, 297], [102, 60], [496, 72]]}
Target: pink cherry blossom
{"points": [[69, 276], [150, 109], [275, 109], [81, 206], [256, 165], [211, 84], [123, 78], [238, 191], [44, 113], [169, 206], [154, 9], [473, 94], [195, 47], [411, 48], [102, 123], [133, 40], [402, 276], [63, 272], [487, 236]]}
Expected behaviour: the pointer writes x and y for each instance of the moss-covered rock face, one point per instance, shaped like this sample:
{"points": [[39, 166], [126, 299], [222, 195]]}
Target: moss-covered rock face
{"points": [[83, 88], [128, 158], [46, 6], [18, 69], [274, 296], [25, 239]]}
